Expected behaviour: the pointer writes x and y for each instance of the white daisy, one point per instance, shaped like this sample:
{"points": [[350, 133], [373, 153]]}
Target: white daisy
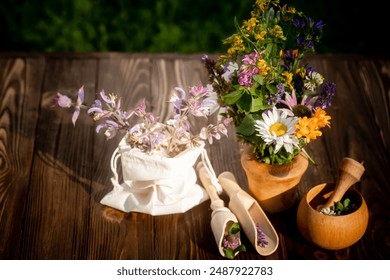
{"points": [[277, 129]]}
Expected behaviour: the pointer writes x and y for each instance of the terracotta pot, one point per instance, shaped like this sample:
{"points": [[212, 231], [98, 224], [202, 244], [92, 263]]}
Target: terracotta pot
{"points": [[331, 232], [273, 186]]}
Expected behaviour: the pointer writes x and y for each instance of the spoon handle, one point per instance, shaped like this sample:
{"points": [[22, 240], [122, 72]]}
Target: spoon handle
{"points": [[204, 177]]}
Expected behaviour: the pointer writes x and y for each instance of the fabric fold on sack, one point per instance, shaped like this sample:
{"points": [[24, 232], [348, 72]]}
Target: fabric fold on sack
{"points": [[154, 184]]}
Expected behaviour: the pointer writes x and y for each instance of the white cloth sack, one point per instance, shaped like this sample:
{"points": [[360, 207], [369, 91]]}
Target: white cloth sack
{"points": [[154, 184]]}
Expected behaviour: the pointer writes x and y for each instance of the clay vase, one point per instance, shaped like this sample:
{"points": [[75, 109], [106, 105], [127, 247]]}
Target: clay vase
{"points": [[273, 186], [331, 232]]}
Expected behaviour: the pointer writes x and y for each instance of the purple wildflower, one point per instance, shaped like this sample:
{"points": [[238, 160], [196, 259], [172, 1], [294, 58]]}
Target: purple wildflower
{"points": [[77, 106], [111, 128], [299, 22], [140, 110], [62, 101], [309, 70], [327, 91], [261, 237], [231, 241], [178, 99], [289, 56], [302, 43], [277, 97], [195, 103], [105, 98], [214, 131], [248, 69], [319, 25]]}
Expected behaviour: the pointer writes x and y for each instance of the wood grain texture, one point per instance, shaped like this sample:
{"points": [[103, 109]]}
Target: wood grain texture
{"points": [[53, 175], [19, 112]]}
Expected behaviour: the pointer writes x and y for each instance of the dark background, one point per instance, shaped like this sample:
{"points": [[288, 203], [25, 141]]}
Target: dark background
{"points": [[182, 26]]}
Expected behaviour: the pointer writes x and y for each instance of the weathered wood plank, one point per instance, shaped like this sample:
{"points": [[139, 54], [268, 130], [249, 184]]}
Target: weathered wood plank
{"points": [[114, 234], [19, 110], [57, 211]]}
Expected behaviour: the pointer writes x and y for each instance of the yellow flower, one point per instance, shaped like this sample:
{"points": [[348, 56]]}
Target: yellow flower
{"points": [[237, 46], [262, 5], [260, 35], [263, 67], [277, 31], [250, 24], [288, 79], [288, 10], [301, 72], [308, 128]]}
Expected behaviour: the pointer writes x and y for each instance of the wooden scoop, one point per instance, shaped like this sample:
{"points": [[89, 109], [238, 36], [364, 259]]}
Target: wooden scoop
{"points": [[221, 217], [350, 172], [249, 212]]}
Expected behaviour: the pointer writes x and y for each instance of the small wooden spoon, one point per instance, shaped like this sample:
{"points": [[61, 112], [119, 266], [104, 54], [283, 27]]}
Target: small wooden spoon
{"points": [[221, 217], [249, 213], [350, 172]]}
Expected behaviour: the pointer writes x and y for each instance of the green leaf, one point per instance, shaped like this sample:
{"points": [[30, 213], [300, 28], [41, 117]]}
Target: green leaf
{"points": [[234, 228], [232, 97], [269, 48], [245, 103], [347, 203], [258, 79], [257, 105], [229, 253], [272, 88], [240, 248], [246, 128]]}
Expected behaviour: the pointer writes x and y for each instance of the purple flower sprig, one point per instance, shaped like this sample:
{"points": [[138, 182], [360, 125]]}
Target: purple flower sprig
{"points": [[261, 237], [143, 129], [232, 241]]}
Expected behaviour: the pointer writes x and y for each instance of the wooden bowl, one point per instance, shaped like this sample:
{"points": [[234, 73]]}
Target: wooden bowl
{"points": [[331, 232]]}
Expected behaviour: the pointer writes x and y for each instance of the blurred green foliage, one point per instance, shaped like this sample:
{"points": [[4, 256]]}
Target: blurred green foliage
{"points": [[119, 25], [181, 26]]}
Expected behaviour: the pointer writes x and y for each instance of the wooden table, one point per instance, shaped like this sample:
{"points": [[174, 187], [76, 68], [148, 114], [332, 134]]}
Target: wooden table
{"points": [[53, 175]]}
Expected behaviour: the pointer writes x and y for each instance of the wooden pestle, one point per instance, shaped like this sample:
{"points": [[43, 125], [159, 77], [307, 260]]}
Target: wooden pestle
{"points": [[350, 172]]}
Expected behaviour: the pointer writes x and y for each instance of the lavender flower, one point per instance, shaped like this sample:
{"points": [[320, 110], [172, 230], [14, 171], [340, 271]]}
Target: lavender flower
{"points": [[277, 97], [327, 91], [261, 237], [64, 101]]}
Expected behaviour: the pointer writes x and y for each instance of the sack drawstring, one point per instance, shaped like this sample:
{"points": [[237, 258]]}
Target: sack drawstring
{"points": [[210, 171], [114, 159]]}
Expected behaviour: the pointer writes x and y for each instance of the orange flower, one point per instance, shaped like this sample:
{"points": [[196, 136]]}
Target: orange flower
{"points": [[322, 118], [308, 128]]}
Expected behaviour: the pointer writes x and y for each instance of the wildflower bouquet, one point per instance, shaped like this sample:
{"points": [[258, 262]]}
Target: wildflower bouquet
{"points": [[277, 104]]}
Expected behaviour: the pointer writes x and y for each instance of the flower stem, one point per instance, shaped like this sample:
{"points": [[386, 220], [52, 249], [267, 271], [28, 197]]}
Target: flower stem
{"points": [[309, 157]]}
